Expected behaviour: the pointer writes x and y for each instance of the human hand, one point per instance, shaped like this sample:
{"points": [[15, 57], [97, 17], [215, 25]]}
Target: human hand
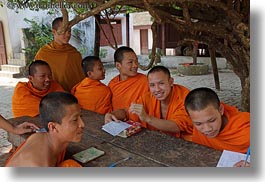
{"points": [[25, 127], [242, 164], [110, 117], [138, 109]]}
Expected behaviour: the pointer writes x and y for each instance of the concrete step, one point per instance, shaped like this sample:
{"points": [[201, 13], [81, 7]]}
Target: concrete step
{"points": [[18, 62], [12, 68], [11, 74]]}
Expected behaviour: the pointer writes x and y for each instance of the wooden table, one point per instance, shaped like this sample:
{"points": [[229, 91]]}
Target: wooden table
{"points": [[146, 149]]}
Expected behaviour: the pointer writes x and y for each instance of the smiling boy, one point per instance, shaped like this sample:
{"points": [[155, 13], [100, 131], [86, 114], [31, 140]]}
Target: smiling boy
{"points": [[27, 95], [60, 114], [129, 85]]}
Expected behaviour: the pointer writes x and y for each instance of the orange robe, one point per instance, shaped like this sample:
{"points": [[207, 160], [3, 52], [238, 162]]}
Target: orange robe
{"points": [[26, 98], [127, 91], [235, 136], [93, 95], [60, 161], [176, 111], [65, 62]]}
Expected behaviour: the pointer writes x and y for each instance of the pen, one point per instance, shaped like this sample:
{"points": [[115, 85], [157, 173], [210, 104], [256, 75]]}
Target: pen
{"points": [[116, 163], [248, 152]]}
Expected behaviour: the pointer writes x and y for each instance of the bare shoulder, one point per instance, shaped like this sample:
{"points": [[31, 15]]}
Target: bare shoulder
{"points": [[31, 153]]}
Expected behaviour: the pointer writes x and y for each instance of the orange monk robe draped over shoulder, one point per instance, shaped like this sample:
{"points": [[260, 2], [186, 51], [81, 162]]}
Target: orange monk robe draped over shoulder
{"points": [[235, 136], [127, 91], [26, 98], [65, 62], [93, 95], [176, 111]]}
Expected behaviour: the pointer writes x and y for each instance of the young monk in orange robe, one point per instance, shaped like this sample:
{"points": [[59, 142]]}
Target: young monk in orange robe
{"points": [[60, 115], [216, 124], [64, 60], [162, 108], [90, 92], [129, 85], [27, 95]]}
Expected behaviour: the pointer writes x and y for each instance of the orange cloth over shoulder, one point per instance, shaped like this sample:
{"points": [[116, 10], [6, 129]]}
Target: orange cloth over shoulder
{"points": [[93, 95], [176, 111], [127, 91], [65, 62], [235, 136], [26, 99]]}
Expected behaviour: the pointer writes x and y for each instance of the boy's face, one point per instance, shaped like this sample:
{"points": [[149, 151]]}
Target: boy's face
{"points": [[98, 72], [71, 128], [160, 85], [41, 80], [61, 38], [208, 121], [129, 65]]}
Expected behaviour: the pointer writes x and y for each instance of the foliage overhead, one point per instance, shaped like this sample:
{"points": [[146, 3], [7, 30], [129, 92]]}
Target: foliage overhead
{"points": [[224, 25]]}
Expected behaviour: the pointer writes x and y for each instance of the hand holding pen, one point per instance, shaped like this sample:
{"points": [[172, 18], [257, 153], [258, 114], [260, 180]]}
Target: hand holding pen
{"points": [[244, 163]]}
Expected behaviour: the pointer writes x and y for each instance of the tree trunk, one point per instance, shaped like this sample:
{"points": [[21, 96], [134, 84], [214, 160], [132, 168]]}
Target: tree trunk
{"points": [[97, 36]]}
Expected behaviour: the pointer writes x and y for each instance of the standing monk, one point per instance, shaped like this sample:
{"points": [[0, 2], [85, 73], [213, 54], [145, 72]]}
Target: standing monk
{"points": [[27, 95], [64, 60], [129, 85], [216, 124]]}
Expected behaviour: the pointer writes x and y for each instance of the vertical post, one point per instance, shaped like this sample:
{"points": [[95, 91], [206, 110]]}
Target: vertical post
{"points": [[215, 69], [128, 29], [195, 52], [163, 39], [97, 36]]}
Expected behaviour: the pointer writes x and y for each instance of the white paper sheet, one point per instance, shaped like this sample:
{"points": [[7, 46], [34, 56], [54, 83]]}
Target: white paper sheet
{"points": [[229, 158], [114, 128]]}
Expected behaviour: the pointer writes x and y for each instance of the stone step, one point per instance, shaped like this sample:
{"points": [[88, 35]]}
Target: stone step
{"points": [[10, 74], [18, 62], [13, 68]]}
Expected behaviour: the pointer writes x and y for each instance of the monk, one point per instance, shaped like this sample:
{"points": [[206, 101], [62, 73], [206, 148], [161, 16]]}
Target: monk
{"points": [[64, 60], [162, 108], [129, 85], [60, 115], [27, 95], [216, 124], [19, 129], [90, 92]]}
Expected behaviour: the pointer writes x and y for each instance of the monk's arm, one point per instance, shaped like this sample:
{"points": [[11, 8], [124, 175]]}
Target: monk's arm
{"points": [[161, 124], [19, 129], [4, 124]]}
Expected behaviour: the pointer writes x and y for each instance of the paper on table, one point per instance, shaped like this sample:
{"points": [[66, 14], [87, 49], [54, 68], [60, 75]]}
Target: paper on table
{"points": [[114, 128], [229, 158]]}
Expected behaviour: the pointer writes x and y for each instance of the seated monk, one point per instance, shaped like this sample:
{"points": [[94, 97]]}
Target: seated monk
{"points": [[91, 93], [60, 115], [64, 59], [129, 85], [162, 108], [27, 95], [216, 124]]}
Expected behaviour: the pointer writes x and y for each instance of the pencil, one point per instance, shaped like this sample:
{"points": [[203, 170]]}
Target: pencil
{"points": [[248, 152]]}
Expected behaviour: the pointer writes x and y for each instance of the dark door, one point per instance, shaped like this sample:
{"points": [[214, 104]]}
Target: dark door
{"points": [[144, 41], [2, 46]]}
